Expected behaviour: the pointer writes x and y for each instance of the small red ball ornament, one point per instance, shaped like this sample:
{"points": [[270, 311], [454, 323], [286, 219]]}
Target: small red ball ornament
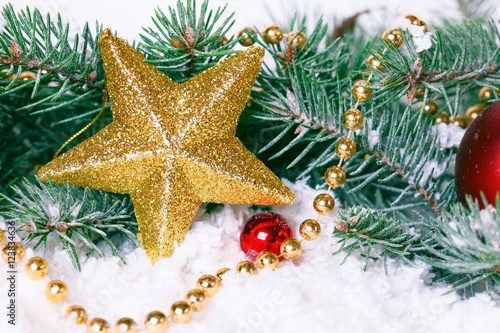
{"points": [[264, 232], [477, 166]]}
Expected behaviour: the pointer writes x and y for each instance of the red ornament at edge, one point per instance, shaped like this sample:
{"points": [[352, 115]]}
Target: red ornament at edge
{"points": [[264, 232], [477, 166]]}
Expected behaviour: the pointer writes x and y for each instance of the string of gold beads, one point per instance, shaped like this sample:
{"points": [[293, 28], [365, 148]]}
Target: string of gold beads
{"points": [[272, 34], [180, 312]]}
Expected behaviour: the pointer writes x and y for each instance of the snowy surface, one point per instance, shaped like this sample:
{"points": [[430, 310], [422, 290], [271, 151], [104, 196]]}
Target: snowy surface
{"points": [[313, 294]]}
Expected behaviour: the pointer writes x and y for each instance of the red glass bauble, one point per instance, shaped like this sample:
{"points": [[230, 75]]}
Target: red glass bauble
{"points": [[477, 166], [264, 232]]}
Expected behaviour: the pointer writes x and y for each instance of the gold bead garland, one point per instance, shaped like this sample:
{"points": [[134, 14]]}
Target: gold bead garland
{"points": [[273, 34]]}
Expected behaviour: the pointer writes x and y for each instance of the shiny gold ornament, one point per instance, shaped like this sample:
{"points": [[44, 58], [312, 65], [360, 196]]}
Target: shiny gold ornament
{"points": [[473, 111], [424, 25], [171, 146], [36, 268], [310, 229], [156, 322], [460, 121], [376, 62], [420, 93], [9, 78], [297, 42], [268, 260], [291, 249], [345, 148], [76, 312], [2, 236], [393, 35], [353, 119], [324, 204], [126, 325], [413, 19], [12, 253], [220, 274], [25, 76], [431, 108], [335, 176], [223, 41], [181, 312], [272, 34], [196, 299], [248, 33], [360, 93], [246, 267], [485, 93], [56, 291], [442, 118], [209, 284], [98, 325]]}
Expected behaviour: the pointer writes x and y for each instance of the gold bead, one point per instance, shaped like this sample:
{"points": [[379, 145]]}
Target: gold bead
{"points": [[9, 78], [126, 325], [473, 111], [335, 176], [98, 325], [345, 148], [36, 268], [247, 39], [76, 312], [196, 299], [2, 236], [310, 229], [220, 274], [353, 119], [156, 322], [181, 312], [267, 260], [360, 93], [414, 20], [272, 34], [431, 108], [12, 253], [324, 204], [246, 267], [375, 62], [485, 93], [291, 248], [56, 291], [223, 41], [420, 93], [442, 118], [393, 35], [25, 76], [297, 42], [424, 25], [209, 284], [460, 121]]}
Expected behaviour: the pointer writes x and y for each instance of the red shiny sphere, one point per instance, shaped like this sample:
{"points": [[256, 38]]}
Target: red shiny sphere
{"points": [[477, 166], [264, 232]]}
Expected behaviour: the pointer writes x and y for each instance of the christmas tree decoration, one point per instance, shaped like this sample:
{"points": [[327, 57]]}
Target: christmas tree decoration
{"points": [[291, 249], [181, 312], [171, 146], [197, 299], [156, 322], [273, 34], [431, 108], [78, 314], [36, 268], [459, 121], [268, 260], [353, 119], [442, 118], [393, 36], [264, 232], [126, 325], [209, 284], [474, 111], [98, 325], [310, 229], [56, 291], [335, 176], [477, 165], [376, 62], [246, 267], [324, 204], [485, 93], [361, 92], [345, 148], [12, 253], [296, 39], [247, 34]]}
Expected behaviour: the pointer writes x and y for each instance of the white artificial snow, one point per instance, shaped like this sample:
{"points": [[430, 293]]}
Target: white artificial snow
{"points": [[449, 135], [312, 294]]}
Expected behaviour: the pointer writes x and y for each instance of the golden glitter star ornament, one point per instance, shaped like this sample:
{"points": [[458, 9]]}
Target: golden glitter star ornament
{"points": [[171, 146]]}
